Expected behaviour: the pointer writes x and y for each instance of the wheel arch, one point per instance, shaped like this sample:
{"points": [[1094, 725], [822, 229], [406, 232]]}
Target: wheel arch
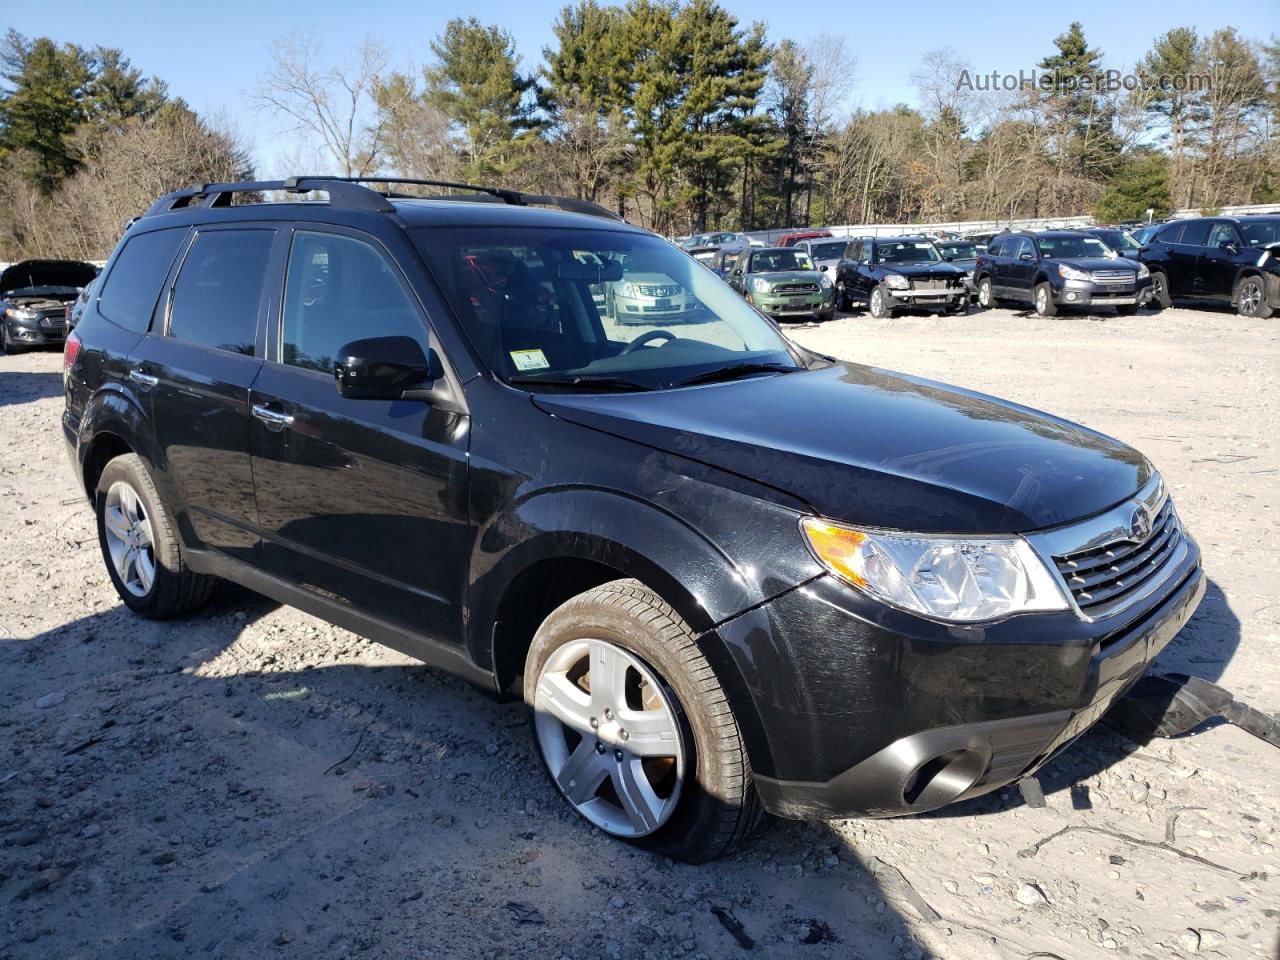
{"points": [[113, 423], [1242, 275]]}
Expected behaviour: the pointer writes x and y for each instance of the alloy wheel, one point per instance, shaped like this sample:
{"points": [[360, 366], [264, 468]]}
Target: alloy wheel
{"points": [[1042, 301], [877, 302], [984, 294], [1250, 298], [129, 538], [609, 734]]}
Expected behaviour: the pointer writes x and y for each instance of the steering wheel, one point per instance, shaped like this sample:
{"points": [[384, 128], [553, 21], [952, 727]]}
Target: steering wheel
{"points": [[644, 338]]}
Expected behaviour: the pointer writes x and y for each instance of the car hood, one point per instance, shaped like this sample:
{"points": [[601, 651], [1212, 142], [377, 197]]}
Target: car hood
{"points": [[922, 269], [1094, 263], [789, 276], [874, 447], [47, 273]]}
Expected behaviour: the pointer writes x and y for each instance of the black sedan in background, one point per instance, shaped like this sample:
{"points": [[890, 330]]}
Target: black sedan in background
{"points": [[892, 273], [34, 297], [1117, 239]]}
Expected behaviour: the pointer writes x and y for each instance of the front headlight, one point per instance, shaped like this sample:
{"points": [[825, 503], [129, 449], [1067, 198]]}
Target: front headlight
{"points": [[20, 313], [1071, 273], [824, 281], [759, 285], [627, 289], [895, 281], [1143, 271], [1262, 259], [956, 579]]}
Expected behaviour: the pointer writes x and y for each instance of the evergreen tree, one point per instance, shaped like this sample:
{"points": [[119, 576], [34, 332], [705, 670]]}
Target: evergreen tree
{"points": [[1142, 184], [43, 104]]}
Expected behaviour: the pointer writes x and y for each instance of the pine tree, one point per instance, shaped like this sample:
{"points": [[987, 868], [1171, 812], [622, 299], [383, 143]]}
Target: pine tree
{"points": [[1142, 184]]}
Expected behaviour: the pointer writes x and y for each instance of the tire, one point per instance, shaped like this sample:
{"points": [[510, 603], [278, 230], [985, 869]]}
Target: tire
{"points": [[702, 796], [1160, 284], [842, 298], [876, 304], [171, 588], [1251, 299], [1044, 305], [826, 317], [985, 300]]}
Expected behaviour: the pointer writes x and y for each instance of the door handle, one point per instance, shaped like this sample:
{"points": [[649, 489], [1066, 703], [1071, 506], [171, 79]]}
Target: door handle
{"points": [[145, 379], [274, 419]]}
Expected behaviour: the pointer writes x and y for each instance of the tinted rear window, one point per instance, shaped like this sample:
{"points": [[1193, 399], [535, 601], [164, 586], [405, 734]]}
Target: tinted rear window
{"points": [[1170, 234], [1195, 233], [215, 299], [131, 289]]}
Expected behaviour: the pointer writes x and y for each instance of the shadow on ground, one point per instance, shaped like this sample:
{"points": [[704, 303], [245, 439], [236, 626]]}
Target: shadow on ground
{"points": [[21, 386]]}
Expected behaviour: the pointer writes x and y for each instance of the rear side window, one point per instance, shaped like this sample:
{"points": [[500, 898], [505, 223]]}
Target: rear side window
{"points": [[215, 299], [1195, 233], [132, 287], [995, 248], [1170, 234], [340, 289]]}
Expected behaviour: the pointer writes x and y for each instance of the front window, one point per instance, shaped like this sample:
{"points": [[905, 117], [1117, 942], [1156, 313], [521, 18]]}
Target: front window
{"points": [[828, 250], [776, 261], [959, 251], [907, 251], [1118, 240], [1065, 248], [594, 309], [1260, 233]]}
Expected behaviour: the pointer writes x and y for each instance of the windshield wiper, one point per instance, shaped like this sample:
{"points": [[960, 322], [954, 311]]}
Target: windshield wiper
{"points": [[584, 381], [734, 371]]}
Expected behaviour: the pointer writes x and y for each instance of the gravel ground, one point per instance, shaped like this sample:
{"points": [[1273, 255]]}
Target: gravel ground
{"points": [[251, 782]]}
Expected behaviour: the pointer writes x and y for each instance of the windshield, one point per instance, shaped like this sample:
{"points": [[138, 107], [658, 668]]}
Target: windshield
{"points": [[773, 261], [959, 251], [1258, 233], [907, 251], [598, 307], [830, 250], [1118, 240], [1061, 248]]}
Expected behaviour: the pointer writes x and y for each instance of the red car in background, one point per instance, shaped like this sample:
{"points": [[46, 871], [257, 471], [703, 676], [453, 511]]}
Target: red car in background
{"points": [[791, 239]]}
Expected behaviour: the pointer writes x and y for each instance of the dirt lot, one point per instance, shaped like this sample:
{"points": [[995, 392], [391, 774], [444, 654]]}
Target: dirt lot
{"points": [[251, 782]]}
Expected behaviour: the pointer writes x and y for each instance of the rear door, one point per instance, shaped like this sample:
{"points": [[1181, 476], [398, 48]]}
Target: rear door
{"points": [[195, 367], [362, 502], [1185, 257]]}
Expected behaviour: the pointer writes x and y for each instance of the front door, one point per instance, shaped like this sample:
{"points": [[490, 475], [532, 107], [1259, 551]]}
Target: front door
{"points": [[195, 367], [1219, 261], [1021, 269], [362, 502]]}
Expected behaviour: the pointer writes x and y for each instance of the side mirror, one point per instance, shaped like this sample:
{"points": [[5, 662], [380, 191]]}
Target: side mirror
{"points": [[1027, 256], [1228, 246], [949, 259], [392, 368], [823, 268]]}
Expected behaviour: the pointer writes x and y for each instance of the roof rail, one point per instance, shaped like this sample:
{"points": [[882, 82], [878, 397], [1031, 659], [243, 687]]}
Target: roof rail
{"points": [[350, 192]]}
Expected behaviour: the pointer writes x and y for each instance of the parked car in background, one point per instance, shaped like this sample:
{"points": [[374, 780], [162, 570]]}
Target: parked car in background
{"points": [[1231, 260], [704, 254], [791, 239], [1144, 233], [724, 573], [981, 240], [650, 296], [826, 254], [963, 254], [1118, 240], [888, 274], [34, 296], [783, 283], [709, 239], [1059, 268]]}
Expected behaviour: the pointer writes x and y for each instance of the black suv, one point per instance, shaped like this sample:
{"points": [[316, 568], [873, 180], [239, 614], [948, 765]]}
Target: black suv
{"points": [[412, 418], [1059, 268], [891, 273], [1233, 260]]}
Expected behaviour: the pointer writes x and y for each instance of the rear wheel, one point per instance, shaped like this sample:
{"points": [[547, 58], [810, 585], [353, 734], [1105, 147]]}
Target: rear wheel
{"points": [[634, 729], [1160, 287], [140, 545], [842, 298], [1045, 306], [1251, 301]]}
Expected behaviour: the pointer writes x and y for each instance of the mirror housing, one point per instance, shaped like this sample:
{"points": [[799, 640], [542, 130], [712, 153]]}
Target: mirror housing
{"points": [[1027, 256], [392, 368], [1228, 246]]}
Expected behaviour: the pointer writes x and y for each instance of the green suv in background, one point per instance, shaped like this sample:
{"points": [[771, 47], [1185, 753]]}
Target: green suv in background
{"points": [[783, 283]]}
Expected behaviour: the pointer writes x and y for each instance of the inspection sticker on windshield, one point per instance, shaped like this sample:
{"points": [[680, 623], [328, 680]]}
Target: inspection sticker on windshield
{"points": [[529, 360]]}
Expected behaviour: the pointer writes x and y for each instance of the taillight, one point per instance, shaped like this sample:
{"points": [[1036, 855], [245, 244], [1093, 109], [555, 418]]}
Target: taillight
{"points": [[70, 350]]}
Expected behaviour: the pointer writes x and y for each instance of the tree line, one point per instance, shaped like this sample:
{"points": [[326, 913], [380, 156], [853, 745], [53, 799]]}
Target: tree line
{"points": [[672, 112]]}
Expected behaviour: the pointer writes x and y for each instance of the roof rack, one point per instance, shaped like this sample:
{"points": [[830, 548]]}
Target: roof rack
{"points": [[350, 192]]}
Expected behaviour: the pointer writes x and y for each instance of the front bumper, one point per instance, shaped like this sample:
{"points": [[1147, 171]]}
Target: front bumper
{"points": [[804, 305], [654, 310], [950, 297], [1088, 293], [884, 714], [41, 332]]}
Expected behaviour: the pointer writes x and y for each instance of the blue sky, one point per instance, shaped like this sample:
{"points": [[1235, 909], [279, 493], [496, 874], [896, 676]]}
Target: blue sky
{"points": [[215, 57]]}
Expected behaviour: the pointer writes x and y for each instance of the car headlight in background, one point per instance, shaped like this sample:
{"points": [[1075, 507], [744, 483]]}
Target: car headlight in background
{"points": [[627, 289], [895, 281], [824, 281], [20, 313], [759, 285], [1071, 273], [1143, 271], [956, 579]]}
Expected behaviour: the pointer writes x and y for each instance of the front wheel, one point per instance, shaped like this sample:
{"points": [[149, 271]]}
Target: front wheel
{"points": [[140, 544], [1160, 286], [879, 303], [1045, 306], [633, 727], [1252, 299]]}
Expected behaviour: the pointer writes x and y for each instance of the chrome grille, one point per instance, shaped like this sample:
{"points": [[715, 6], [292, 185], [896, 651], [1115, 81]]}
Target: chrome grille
{"points": [[794, 288], [935, 283], [1114, 276], [656, 290], [1102, 578]]}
